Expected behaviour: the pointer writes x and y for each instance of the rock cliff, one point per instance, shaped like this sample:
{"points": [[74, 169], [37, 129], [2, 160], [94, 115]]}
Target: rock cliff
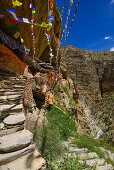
{"points": [[93, 77]]}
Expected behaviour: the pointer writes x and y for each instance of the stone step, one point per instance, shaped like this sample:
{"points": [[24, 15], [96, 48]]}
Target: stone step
{"points": [[16, 141], [16, 119], [10, 90], [95, 162], [6, 110], [11, 108], [8, 157], [11, 97], [11, 87], [10, 130], [31, 161], [105, 167], [11, 93], [84, 156], [78, 150]]}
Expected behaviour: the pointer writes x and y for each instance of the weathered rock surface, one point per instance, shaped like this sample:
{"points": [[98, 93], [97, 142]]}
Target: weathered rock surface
{"points": [[8, 157], [94, 162], [31, 161], [17, 140], [11, 129], [14, 119], [105, 167], [10, 62]]}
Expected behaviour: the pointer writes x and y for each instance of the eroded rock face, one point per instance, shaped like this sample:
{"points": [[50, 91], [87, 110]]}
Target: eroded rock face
{"points": [[93, 77], [83, 72], [10, 62], [92, 72]]}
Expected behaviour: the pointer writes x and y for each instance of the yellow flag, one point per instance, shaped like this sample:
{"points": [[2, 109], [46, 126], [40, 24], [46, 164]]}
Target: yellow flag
{"points": [[22, 40], [44, 24], [16, 3], [17, 34]]}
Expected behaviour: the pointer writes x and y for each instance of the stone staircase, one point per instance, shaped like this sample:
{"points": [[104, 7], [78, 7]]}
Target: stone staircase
{"points": [[17, 150], [90, 158]]}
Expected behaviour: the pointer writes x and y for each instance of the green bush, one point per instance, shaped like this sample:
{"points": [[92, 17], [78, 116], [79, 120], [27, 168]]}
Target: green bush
{"points": [[65, 90], [48, 142]]}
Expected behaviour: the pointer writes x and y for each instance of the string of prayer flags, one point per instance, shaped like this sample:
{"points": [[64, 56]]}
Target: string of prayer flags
{"points": [[66, 24], [72, 22], [12, 12], [26, 50], [50, 21], [16, 3], [50, 4], [50, 15], [26, 20], [63, 11], [32, 27]]}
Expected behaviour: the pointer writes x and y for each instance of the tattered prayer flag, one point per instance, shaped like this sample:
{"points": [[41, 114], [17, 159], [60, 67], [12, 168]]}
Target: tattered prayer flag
{"points": [[22, 40], [14, 28], [30, 5], [12, 12], [33, 15], [14, 22], [26, 20], [16, 3], [51, 19], [17, 34], [50, 4], [20, 20]]}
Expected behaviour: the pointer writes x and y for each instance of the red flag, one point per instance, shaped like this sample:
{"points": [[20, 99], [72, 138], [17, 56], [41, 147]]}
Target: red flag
{"points": [[50, 4], [14, 22]]}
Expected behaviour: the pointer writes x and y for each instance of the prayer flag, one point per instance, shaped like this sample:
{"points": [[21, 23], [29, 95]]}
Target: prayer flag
{"points": [[16, 3]]}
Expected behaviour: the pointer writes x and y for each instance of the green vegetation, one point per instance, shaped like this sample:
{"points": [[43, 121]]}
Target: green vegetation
{"points": [[30, 110], [64, 122], [71, 101], [60, 127], [85, 141], [65, 90], [69, 164]]}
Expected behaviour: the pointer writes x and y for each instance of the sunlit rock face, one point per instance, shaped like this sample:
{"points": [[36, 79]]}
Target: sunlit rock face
{"points": [[9, 62], [92, 73], [24, 11]]}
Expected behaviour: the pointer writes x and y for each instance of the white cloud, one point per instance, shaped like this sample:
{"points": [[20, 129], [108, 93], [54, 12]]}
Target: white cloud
{"points": [[107, 38], [112, 1], [112, 49]]}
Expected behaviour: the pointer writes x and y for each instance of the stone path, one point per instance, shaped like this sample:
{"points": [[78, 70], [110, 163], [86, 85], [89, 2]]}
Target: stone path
{"points": [[17, 150], [91, 158]]}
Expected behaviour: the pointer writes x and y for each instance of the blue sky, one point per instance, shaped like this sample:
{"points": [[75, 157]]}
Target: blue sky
{"points": [[93, 28]]}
